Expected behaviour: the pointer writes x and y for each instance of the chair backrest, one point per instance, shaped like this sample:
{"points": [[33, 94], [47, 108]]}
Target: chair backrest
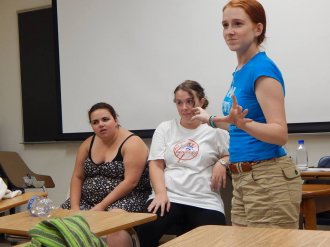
{"points": [[13, 168], [324, 162]]}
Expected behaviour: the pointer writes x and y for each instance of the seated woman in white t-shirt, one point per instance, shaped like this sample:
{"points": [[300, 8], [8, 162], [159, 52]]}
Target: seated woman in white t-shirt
{"points": [[187, 168]]}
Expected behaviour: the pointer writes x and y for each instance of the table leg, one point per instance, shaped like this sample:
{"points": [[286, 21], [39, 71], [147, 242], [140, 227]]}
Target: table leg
{"points": [[309, 213]]}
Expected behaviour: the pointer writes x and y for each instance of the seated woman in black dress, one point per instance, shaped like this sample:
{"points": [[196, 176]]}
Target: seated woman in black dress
{"points": [[110, 171]]}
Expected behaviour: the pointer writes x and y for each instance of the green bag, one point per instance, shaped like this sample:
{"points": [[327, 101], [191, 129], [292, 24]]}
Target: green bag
{"points": [[71, 231]]}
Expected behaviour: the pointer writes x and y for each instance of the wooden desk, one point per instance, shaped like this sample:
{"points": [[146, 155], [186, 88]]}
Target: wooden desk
{"points": [[315, 199], [6, 204], [231, 236], [316, 173], [100, 222]]}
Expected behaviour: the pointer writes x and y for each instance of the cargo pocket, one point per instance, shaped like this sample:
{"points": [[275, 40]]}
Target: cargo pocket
{"points": [[294, 183], [291, 173]]}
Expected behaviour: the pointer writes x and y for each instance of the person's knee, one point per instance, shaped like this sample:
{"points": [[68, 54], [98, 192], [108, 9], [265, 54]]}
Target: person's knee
{"points": [[120, 239], [148, 235]]}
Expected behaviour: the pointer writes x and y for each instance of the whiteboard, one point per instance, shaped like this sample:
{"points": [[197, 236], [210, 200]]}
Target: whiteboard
{"points": [[133, 53]]}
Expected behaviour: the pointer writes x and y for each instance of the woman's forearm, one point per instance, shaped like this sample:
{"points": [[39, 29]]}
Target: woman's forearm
{"points": [[75, 192], [156, 170], [121, 190], [271, 133]]}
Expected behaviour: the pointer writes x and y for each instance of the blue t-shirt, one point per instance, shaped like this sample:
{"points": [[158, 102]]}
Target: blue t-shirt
{"points": [[242, 146]]}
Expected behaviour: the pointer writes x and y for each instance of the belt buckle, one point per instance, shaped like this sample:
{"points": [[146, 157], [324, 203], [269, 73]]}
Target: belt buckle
{"points": [[238, 166]]}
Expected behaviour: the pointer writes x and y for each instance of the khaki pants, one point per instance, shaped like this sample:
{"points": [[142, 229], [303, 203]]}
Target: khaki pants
{"points": [[268, 196]]}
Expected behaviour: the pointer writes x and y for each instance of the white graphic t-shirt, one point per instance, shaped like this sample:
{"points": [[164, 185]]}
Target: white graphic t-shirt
{"points": [[189, 156]]}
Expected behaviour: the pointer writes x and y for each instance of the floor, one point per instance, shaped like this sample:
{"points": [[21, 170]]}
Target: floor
{"points": [[324, 227], [6, 243]]}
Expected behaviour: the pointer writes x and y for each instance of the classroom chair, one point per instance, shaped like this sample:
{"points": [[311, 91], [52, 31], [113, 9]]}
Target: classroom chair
{"points": [[13, 170]]}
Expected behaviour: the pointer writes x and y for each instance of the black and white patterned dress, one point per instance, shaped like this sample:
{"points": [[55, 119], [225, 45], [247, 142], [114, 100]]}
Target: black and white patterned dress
{"points": [[101, 179]]}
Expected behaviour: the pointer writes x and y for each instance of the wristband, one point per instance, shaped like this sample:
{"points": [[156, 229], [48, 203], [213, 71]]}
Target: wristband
{"points": [[211, 123]]}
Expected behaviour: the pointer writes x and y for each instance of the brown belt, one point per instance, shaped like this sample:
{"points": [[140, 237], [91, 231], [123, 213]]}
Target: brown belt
{"points": [[243, 166]]}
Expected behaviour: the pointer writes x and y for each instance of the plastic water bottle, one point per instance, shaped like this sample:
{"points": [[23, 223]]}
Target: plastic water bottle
{"points": [[40, 206], [301, 156]]}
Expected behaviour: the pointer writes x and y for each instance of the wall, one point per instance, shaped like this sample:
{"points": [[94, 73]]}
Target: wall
{"points": [[54, 159], [57, 159]]}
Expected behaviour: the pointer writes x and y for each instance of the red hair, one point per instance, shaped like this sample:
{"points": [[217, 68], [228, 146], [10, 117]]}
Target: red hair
{"points": [[254, 10]]}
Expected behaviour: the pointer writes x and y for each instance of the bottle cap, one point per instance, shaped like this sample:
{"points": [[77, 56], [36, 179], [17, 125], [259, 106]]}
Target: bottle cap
{"points": [[300, 141], [31, 201]]}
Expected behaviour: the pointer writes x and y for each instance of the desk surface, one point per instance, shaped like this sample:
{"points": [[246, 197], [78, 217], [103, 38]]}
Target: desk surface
{"points": [[315, 190], [100, 222], [230, 236], [6, 204], [316, 173]]}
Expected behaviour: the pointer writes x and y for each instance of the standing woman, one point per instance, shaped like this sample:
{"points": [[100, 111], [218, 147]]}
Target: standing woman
{"points": [[110, 172], [267, 185]]}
